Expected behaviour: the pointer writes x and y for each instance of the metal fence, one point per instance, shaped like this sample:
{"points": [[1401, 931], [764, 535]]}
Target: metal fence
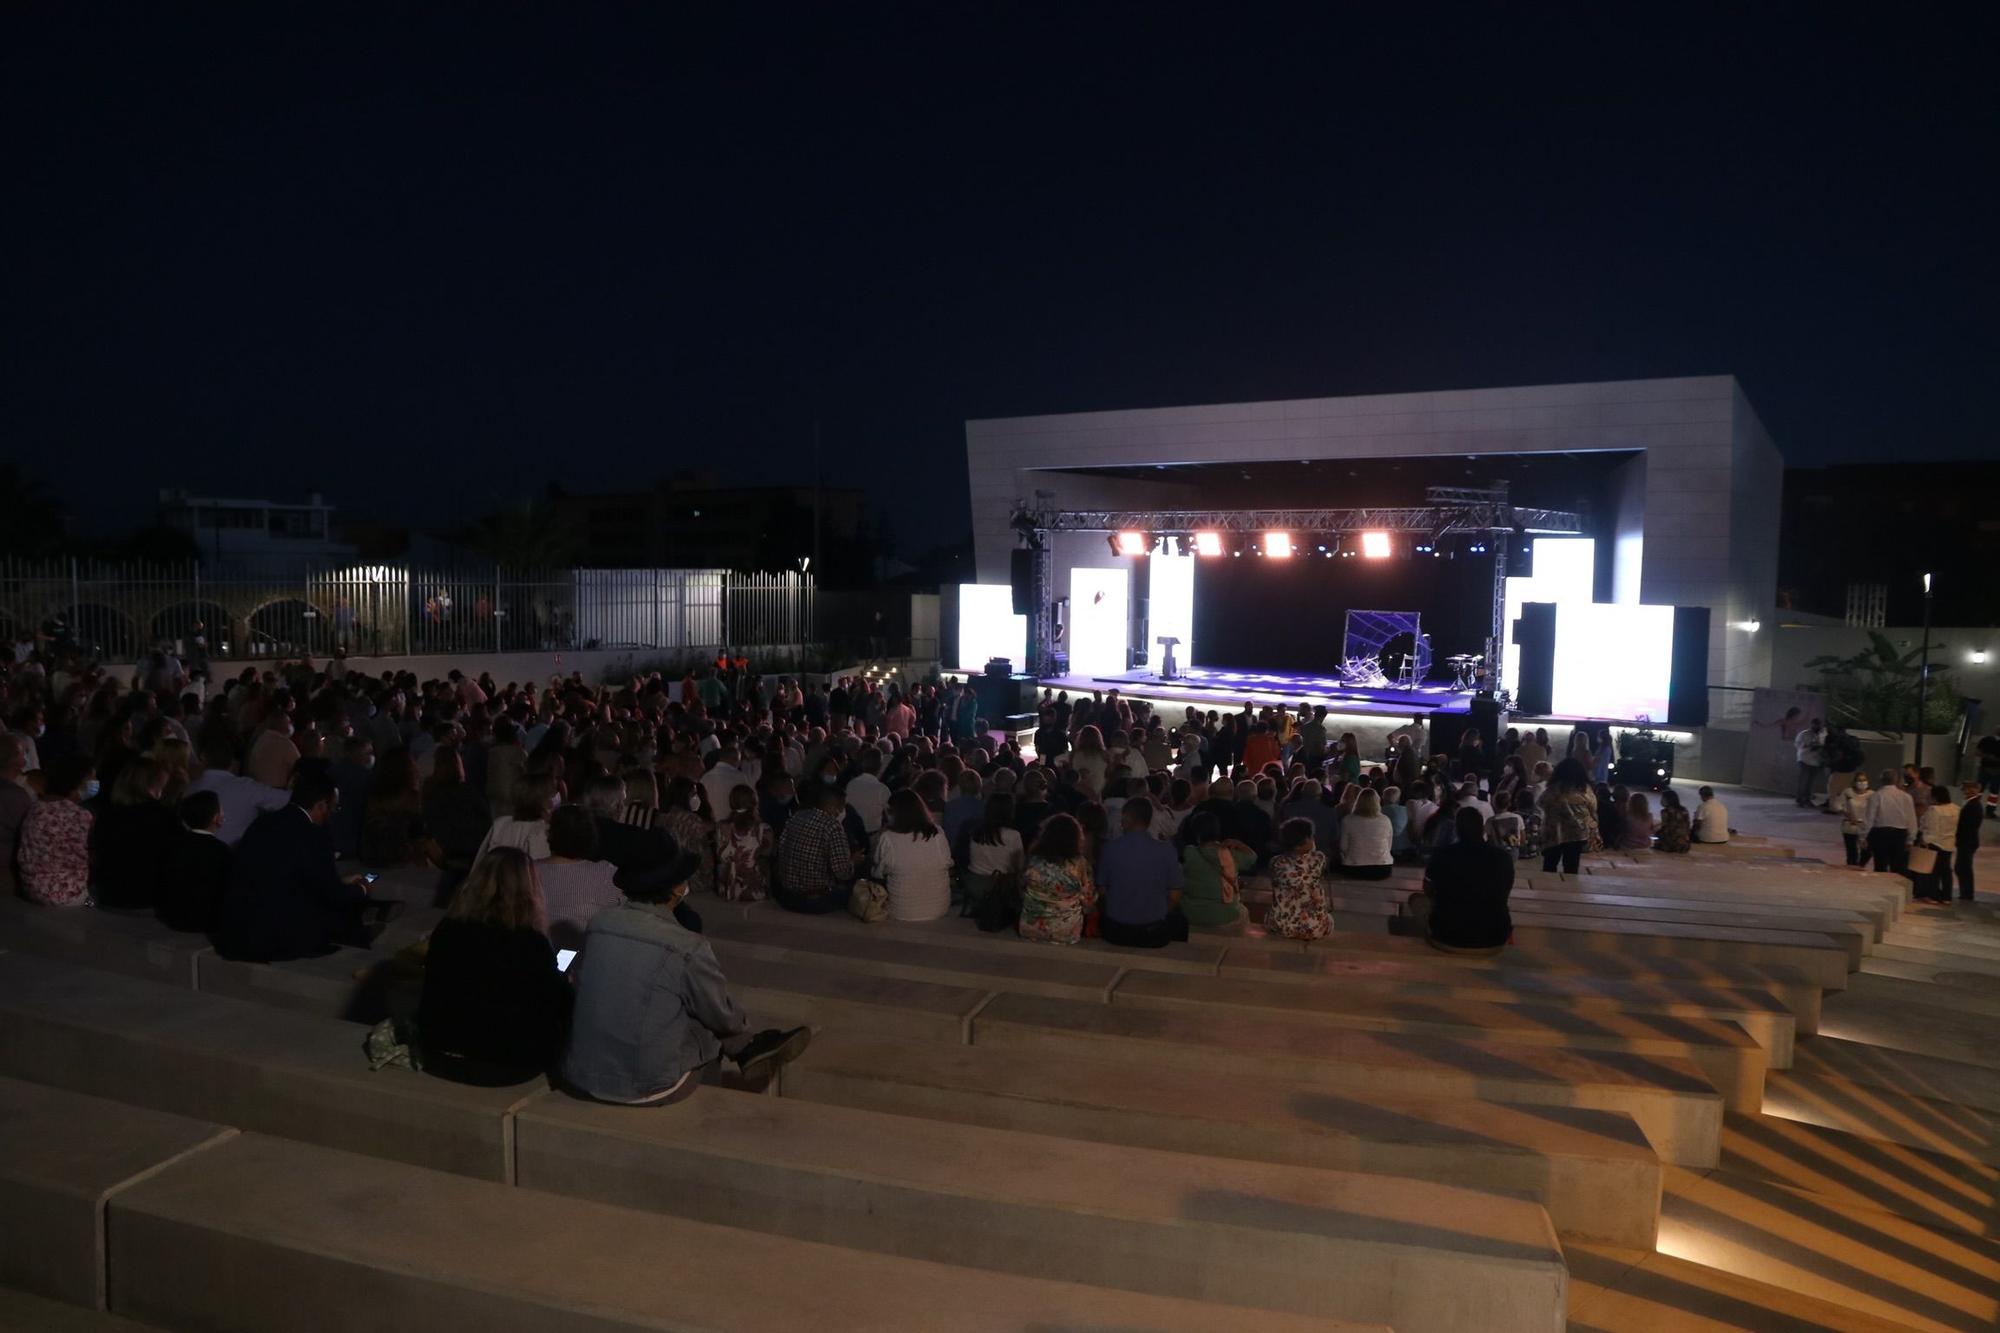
{"points": [[119, 611]]}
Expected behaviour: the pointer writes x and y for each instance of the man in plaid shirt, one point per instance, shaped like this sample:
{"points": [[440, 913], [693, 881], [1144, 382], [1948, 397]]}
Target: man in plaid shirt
{"points": [[815, 867]]}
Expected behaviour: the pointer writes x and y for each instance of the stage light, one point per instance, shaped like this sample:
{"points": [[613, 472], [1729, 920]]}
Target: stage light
{"points": [[1129, 543], [1277, 545], [1375, 545], [1208, 543]]}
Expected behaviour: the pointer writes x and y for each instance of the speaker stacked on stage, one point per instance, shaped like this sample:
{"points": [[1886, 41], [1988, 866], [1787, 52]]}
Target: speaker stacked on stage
{"points": [[1021, 575], [1687, 688], [1535, 678]]}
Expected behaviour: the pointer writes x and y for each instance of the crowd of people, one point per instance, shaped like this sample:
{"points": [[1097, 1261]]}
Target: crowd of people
{"points": [[561, 823]]}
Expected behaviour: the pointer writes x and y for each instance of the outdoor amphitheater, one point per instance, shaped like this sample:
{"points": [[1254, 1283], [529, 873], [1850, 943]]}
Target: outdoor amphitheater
{"points": [[1736, 1089]]}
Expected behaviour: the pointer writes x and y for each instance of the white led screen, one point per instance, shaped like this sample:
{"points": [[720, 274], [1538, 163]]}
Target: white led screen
{"points": [[1613, 660], [1098, 625], [1170, 608], [1565, 573], [988, 627]]}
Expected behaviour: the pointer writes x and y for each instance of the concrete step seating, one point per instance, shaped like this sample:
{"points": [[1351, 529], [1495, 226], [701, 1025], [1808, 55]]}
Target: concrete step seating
{"points": [[38, 1314], [1629, 1291], [340, 1241], [1592, 1170], [1678, 1109], [861, 1179], [1330, 958], [1302, 1239], [1058, 975], [1723, 1052]]}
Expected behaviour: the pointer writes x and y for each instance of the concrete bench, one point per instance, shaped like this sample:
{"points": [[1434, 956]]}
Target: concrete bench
{"points": [[241, 1064], [1676, 1106], [137, 946], [1199, 958], [886, 1006], [1300, 1239], [1956, 1081], [62, 1156], [1721, 1051], [1802, 900], [1788, 986], [1593, 1171], [19, 1310], [352, 984], [1821, 957], [1050, 972], [263, 1233]]}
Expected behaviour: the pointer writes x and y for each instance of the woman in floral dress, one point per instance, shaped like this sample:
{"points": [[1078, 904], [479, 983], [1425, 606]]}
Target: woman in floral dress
{"points": [[743, 846], [1298, 891], [1056, 890], [55, 837]]}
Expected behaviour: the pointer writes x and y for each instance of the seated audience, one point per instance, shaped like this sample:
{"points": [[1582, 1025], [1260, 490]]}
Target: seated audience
{"points": [[686, 817], [243, 799], [993, 851], [1506, 829], [1463, 905], [454, 814], [1140, 878], [913, 860], [575, 885], [1639, 826], [1711, 818], [815, 867], [1298, 904], [494, 1009], [527, 826], [285, 899], [131, 839], [1212, 869], [744, 846], [197, 870], [1366, 836], [55, 836], [392, 833], [653, 1018], [16, 800], [1676, 830], [1057, 891]]}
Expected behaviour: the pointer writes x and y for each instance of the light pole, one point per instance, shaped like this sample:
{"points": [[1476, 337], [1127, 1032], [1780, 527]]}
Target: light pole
{"points": [[1924, 673]]}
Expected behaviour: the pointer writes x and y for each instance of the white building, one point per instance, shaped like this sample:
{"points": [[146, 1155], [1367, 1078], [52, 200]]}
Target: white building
{"points": [[254, 530]]}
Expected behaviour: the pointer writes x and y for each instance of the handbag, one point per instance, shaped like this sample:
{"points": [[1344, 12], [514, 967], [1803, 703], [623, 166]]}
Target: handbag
{"points": [[870, 900], [1923, 860]]}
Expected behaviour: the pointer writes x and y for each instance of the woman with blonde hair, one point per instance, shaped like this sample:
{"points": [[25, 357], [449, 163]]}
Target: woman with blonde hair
{"points": [[1366, 837], [495, 1007], [176, 758], [131, 839], [527, 828]]}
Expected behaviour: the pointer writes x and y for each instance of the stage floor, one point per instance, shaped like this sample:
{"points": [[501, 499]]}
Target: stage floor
{"points": [[1225, 688]]}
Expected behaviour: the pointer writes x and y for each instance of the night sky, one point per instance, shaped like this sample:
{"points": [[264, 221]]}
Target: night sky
{"points": [[427, 257]]}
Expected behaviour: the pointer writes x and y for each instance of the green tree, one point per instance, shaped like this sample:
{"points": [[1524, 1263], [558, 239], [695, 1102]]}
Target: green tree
{"points": [[1876, 688]]}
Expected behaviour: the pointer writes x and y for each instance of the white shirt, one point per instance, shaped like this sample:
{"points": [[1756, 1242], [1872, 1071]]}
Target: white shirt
{"points": [[1889, 808], [530, 835], [1365, 839], [718, 782], [1807, 746], [243, 799], [917, 872], [869, 797], [1941, 827], [1711, 821], [984, 858], [1421, 813]]}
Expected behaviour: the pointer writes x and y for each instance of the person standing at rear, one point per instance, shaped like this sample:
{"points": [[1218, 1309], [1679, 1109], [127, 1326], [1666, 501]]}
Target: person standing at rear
{"points": [[1888, 822], [1970, 816], [1809, 748]]}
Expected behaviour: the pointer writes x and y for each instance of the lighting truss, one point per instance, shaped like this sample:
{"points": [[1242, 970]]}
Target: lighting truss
{"points": [[1451, 509]]}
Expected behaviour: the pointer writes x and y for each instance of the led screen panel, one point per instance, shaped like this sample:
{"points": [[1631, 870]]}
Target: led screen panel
{"points": [[1565, 572], [988, 627], [1170, 608], [1613, 660], [1098, 621]]}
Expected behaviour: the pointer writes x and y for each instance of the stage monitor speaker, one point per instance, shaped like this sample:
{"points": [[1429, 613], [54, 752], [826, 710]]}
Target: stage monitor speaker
{"points": [[1486, 716], [1021, 574], [1002, 697], [1535, 678], [1446, 731], [1687, 687]]}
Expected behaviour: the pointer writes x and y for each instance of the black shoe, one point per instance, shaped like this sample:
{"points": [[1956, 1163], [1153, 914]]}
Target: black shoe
{"points": [[773, 1047]]}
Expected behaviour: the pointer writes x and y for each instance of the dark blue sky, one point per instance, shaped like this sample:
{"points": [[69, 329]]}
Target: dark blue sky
{"points": [[422, 258]]}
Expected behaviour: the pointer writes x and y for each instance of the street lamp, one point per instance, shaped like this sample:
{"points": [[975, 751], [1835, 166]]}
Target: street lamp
{"points": [[1924, 673]]}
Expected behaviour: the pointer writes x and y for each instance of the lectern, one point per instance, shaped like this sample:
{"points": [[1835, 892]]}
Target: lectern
{"points": [[1169, 669]]}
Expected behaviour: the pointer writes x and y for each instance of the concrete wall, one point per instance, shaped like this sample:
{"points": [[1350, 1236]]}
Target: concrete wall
{"points": [[1712, 479]]}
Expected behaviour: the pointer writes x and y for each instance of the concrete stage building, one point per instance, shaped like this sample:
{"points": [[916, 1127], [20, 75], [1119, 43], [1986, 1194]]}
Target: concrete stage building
{"points": [[1679, 479]]}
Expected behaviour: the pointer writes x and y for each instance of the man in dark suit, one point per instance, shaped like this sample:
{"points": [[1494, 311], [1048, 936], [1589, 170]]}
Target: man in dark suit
{"points": [[197, 871], [1970, 816], [285, 899]]}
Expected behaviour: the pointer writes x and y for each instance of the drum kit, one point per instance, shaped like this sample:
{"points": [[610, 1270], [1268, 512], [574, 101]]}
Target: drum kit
{"points": [[1466, 669]]}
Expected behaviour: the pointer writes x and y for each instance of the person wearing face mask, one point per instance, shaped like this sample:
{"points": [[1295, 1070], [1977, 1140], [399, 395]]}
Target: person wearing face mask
{"points": [[55, 837], [1851, 805], [273, 756]]}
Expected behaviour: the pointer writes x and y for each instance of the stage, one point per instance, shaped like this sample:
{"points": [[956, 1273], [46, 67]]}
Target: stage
{"points": [[1224, 689]]}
